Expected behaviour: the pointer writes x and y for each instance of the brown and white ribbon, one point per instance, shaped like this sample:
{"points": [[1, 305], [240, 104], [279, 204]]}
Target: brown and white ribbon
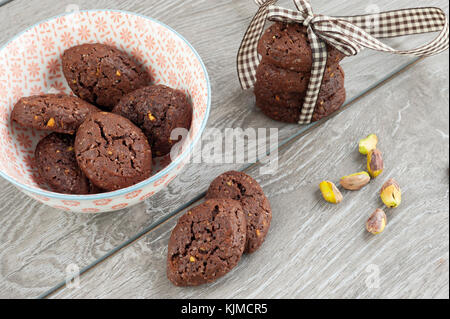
{"points": [[347, 34]]}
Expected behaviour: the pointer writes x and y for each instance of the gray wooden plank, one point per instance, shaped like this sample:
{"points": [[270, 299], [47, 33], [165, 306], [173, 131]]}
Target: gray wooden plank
{"points": [[34, 260], [318, 250]]}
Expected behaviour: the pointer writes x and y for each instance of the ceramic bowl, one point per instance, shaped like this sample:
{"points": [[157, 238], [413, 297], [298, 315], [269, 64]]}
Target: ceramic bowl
{"points": [[30, 64]]}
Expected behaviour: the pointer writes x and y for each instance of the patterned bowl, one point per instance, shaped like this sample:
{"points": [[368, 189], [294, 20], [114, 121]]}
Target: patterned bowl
{"points": [[30, 64]]}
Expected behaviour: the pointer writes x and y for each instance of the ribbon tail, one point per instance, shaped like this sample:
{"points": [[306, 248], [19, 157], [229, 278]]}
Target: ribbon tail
{"points": [[349, 37], [320, 56], [402, 22], [247, 58]]}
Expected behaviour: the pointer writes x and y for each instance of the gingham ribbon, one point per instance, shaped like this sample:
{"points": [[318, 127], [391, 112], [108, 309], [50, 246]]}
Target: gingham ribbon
{"points": [[347, 34]]}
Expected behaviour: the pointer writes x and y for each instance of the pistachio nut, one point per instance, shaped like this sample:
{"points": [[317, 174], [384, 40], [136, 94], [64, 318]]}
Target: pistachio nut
{"points": [[355, 181], [375, 164], [368, 144], [330, 192], [377, 222], [391, 194]]}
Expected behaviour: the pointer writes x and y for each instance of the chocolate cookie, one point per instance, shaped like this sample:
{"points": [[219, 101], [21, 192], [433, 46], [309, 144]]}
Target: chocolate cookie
{"points": [[101, 74], [277, 79], [241, 187], [57, 165], [325, 107], [157, 110], [52, 112], [112, 151], [287, 45], [207, 242], [265, 95]]}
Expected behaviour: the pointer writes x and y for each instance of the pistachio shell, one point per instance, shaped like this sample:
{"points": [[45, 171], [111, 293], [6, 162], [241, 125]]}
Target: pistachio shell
{"points": [[375, 164], [355, 181], [377, 222], [368, 144]]}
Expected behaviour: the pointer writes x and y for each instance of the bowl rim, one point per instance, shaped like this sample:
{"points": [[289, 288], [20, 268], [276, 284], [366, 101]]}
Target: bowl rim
{"points": [[152, 179]]}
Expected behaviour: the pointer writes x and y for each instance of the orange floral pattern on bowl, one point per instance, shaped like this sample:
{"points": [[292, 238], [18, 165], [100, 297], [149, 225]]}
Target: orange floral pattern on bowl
{"points": [[30, 64]]}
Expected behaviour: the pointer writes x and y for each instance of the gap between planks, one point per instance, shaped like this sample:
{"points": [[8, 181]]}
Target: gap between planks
{"points": [[284, 144], [3, 2]]}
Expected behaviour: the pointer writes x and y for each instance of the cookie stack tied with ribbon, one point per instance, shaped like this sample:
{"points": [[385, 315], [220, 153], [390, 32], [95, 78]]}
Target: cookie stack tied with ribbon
{"points": [[294, 67], [285, 71]]}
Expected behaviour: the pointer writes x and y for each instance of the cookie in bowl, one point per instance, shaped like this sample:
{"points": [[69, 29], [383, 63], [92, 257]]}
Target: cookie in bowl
{"points": [[157, 110], [102, 74], [112, 151], [58, 167], [52, 112]]}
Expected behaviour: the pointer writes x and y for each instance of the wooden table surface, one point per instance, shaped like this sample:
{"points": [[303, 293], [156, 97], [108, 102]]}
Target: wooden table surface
{"points": [[314, 249]]}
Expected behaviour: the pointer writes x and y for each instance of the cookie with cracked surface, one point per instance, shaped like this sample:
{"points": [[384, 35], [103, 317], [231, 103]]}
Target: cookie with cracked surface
{"points": [[58, 167], [207, 242], [243, 188], [102, 74], [287, 45], [157, 110], [59, 113], [112, 151]]}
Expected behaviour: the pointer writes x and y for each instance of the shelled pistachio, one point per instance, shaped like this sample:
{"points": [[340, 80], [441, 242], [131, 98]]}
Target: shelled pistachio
{"points": [[368, 144], [391, 194], [330, 192]]}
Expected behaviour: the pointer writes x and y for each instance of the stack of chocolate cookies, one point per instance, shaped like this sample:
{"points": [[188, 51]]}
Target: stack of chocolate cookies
{"points": [[210, 239], [285, 70]]}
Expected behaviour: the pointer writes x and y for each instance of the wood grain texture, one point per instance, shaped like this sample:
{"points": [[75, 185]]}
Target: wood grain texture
{"points": [[37, 243], [315, 249]]}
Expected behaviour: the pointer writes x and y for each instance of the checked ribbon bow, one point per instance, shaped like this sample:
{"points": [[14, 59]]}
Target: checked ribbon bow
{"points": [[347, 34]]}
